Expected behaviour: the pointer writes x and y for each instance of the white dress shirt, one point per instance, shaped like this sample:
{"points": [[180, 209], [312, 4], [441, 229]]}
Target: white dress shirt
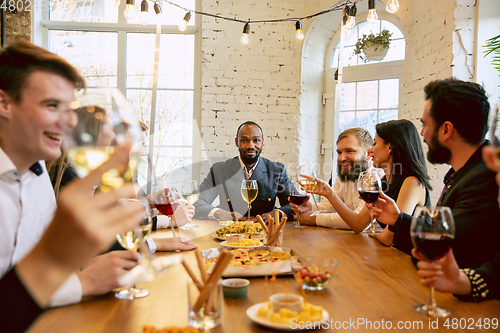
{"points": [[27, 207], [348, 193]]}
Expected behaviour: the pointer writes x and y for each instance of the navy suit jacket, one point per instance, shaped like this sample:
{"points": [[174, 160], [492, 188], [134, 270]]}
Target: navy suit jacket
{"points": [[224, 181]]}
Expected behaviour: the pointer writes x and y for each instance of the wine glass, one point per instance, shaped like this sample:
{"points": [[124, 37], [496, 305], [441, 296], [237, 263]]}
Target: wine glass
{"points": [[369, 186], [298, 196], [308, 184], [131, 240], [495, 135], [249, 191], [190, 193], [166, 200], [432, 233], [104, 119]]}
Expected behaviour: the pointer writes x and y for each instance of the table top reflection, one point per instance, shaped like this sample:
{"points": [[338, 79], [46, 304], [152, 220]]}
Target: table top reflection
{"points": [[374, 288]]}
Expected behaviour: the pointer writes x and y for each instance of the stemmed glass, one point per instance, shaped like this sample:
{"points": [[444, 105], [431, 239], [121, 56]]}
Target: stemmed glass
{"points": [[249, 191], [166, 201], [432, 233], [131, 240], [190, 193], [104, 119], [298, 196], [308, 184], [369, 186], [495, 135]]}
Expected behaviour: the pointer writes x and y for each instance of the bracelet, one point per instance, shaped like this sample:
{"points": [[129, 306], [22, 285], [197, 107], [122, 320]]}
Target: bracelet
{"points": [[395, 227], [479, 287]]}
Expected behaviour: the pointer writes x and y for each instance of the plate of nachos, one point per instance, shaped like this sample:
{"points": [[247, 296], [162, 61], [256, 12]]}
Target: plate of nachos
{"points": [[247, 228], [252, 262]]}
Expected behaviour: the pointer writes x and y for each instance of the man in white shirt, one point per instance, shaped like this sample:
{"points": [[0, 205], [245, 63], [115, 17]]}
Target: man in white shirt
{"points": [[353, 157], [35, 86]]}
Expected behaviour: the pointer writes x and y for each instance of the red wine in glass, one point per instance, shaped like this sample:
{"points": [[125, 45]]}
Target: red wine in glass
{"points": [[167, 208], [432, 246], [369, 196], [298, 199]]}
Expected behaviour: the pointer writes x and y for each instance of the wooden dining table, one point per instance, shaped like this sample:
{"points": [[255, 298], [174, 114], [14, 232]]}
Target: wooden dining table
{"points": [[373, 289]]}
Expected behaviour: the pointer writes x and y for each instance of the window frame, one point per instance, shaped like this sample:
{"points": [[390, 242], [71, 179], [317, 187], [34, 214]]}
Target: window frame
{"points": [[365, 72], [41, 25]]}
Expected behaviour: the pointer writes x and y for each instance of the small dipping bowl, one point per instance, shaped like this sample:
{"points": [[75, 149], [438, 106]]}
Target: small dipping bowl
{"points": [[289, 301], [234, 238], [235, 288]]}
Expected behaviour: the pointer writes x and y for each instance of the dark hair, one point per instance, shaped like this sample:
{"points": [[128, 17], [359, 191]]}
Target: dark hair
{"points": [[464, 104], [22, 58], [249, 122], [406, 151]]}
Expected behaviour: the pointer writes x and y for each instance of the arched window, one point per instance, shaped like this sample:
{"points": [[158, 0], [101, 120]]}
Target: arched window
{"points": [[370, 91]]}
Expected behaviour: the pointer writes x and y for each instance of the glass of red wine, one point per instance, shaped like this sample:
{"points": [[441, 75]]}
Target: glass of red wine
{"points": [[298, 196], [432, 233], [369, 186], [166, 200]]}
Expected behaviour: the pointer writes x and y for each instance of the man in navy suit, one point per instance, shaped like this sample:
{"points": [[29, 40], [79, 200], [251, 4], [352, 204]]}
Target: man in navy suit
{"points": [[224, 181]]}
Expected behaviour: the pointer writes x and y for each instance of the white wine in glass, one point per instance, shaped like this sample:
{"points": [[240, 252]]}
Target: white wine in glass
{"points": [[131, 240], [190, 193], [249, 191], [307, 184], [104, 119]]}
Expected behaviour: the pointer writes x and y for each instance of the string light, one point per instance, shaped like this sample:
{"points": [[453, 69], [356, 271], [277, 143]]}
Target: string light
{"points": [[244, 37], [351, 12], [157, 8], [392, 6], [144, 19], [184, 23], [129, 11], [372, 12], [299, 35]]}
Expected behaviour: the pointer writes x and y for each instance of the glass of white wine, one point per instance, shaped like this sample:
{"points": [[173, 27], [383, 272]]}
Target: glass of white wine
{"points": [[249, 191], [132, 240], [104, 120], [308, 184], [190, 193]]}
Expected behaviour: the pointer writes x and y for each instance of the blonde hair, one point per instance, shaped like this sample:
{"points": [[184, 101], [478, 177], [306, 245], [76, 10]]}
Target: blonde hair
{"points": [[364, 137]]}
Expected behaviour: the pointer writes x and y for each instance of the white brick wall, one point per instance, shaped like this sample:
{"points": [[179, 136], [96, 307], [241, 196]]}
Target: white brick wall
{"points": [[278, 82]]}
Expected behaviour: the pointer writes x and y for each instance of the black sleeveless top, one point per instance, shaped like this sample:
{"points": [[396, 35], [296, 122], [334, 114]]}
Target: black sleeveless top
{"points": [[402, 240]]}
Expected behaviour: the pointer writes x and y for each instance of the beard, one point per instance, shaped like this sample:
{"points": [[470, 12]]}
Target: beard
{"points": [[247, 159], [353, 172], [437, 154]]}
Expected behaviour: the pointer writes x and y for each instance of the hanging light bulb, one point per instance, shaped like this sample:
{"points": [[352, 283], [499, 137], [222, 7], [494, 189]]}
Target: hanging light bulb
{"points": [[299, 35], [130, 11], [184, 23], [246, 31], [144, 12], [372, 12], [346, 28], [157, 8], [116, 3], [351, 12], [392, 6]]}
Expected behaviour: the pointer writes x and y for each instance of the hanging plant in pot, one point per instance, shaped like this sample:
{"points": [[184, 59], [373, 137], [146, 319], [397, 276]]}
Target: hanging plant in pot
{"points": [[373, 47]]}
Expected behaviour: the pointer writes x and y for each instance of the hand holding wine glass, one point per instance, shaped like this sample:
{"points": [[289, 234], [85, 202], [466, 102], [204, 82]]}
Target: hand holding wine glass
{"points": [[190, 193], [249, 191], [369, 186], [432, 232], [166, 201]]}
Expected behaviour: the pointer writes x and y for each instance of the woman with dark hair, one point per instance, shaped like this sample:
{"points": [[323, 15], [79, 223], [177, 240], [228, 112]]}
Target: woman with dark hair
{"points": [[397, 149]]}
